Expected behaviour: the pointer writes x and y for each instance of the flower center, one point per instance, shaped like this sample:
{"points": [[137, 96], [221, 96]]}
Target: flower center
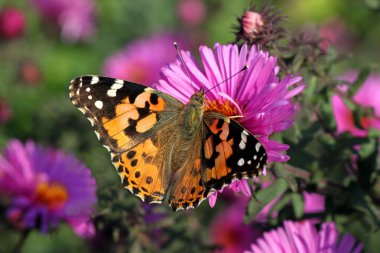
{"points": [[225, 107], [51, 195]]}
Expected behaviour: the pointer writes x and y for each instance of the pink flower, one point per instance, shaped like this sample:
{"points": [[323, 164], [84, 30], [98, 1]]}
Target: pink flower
{"points": [[76, 18], [366, 96], [303, 237], [336, 33], [191, 12], [257, 94], [228, 231], [46, 187], [12, 23], [141, 60]]}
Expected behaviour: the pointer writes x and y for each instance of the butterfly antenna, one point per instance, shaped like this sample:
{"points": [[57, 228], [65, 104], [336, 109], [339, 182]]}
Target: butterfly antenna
{"points": [[243, 69], [183, 63]]}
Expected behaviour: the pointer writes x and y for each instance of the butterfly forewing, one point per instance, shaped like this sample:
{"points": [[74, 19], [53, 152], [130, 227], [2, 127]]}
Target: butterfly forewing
{"points": [[230, 152], [122, 113], [131, 121]]}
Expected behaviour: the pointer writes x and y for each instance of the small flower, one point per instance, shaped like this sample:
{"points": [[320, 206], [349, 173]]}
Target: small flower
{"points": [[303, 236], [136, 62], [252, 23], [12, 23], [76, 18], [260, 26], [30, 73], [257, 96], [366, 97], [191, 12], [46, 187], [5, 111]]}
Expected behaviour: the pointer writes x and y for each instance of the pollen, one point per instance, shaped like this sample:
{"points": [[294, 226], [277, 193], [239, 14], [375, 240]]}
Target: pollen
{"points": [[222, 106], [53, 196]]}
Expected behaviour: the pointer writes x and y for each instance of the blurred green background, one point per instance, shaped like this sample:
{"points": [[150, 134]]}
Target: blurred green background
{"points": [[36, 68]]}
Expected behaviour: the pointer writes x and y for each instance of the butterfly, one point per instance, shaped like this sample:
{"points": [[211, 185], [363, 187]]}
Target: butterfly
{"points": [[162, 148]]}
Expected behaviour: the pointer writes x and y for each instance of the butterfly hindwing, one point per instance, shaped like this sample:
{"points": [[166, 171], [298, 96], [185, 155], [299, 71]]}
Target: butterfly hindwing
{"points": [[230, 152]]}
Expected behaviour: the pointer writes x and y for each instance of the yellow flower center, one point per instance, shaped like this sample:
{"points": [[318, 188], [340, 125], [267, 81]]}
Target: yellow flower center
{"points": [[51, 195], [225, 107]]}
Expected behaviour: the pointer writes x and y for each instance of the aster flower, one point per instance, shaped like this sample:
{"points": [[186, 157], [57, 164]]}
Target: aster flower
{"points": [[135, 62], [257, 94], [303, 237], [367, 97], [76, 18], [46, 187], [12, 23]]}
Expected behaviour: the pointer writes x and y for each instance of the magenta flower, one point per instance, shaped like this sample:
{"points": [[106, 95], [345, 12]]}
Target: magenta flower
{"points": [[366, 96], [257, 94], [136, 63], [76, 18], [227, 230], [303, 237], [46, 187], [12, 23]]}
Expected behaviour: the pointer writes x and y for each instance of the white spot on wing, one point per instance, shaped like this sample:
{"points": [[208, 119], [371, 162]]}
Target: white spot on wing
{"points": [[117, 85], [242, 145], [111, 93], [89, 97], [257, 146], [94, 80], [241, 162], [254, 157], [249, 161], [99, 104], [88, 89]]}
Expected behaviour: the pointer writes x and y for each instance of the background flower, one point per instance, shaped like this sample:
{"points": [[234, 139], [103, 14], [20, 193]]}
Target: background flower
{"points": [[136, 63], [12, 23], [303, 237], [76, 18], [46, 187], [227, 230], [366, 97], [256, 94]]}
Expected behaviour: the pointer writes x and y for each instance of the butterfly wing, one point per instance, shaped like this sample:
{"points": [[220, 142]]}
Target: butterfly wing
{"points": [[126, 118], [229, 152]]}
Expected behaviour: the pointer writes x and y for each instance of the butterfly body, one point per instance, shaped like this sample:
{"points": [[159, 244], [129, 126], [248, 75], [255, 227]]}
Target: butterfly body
{"points": [[160, 146]]}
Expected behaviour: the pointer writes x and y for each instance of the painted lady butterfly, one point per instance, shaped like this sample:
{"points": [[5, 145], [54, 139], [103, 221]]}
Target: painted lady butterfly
{"points": [[161, 146]]}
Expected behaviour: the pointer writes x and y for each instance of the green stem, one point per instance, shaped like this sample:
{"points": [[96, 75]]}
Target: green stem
{"points": [[21, 241]]}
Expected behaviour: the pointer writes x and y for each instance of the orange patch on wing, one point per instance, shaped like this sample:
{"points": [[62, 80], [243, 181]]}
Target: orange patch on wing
{"points": [[121, 138], [208, 147], [143, 177], [146, 123], [187, 191], [225, 131], [160, 106]]}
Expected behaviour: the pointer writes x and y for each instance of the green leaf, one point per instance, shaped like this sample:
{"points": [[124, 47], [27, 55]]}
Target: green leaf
{"points": [[298, 204], [265, 196], [363, 74]]}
